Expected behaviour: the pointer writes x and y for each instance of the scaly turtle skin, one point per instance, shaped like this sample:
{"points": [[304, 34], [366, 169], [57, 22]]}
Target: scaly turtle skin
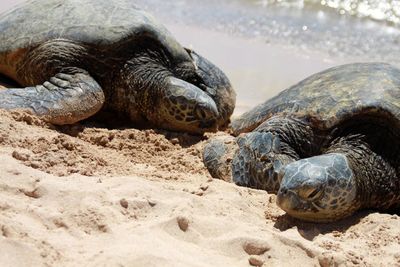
{"points": [[75, 57], [328, 145]]}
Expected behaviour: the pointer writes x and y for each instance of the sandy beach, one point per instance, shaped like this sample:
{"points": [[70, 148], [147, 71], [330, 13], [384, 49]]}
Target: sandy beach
{"points": [[94, 195], [84, 195]]}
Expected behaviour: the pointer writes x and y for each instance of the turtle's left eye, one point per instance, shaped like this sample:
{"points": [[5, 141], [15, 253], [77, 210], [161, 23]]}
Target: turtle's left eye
{"points": [[198, 81], [310, 193]]}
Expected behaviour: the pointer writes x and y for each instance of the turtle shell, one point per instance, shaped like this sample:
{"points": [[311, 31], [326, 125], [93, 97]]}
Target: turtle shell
{"points": [[334, 96], [100, 23]]}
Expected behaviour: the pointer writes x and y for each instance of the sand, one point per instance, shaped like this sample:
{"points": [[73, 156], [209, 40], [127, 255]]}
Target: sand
{"points": [[85, 195]]}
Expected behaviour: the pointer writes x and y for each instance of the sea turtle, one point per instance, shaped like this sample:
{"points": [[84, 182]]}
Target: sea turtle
{"points": [[327, 146], [76, 57]]}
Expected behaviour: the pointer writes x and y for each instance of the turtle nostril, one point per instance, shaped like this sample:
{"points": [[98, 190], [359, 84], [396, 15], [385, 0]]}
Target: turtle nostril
{"points": [[283, 191]]}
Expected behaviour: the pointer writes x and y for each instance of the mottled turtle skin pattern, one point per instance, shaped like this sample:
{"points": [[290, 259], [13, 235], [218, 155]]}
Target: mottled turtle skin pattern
{"points": [[328, 146], [76, 57]]}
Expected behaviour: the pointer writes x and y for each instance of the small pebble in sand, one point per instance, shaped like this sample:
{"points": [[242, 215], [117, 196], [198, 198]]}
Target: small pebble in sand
{"points": [[256, 260], [103, 141], [20, 156], [124, 203], [183, 223], [174, 141], [256, 247], [35, 165], [7, 231], [36, 193]]}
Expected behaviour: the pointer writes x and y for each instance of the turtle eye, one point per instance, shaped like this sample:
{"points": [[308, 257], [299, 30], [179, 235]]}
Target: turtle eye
{"points": [[310, 193], [202, 86], [313, 194], [197, 80]]}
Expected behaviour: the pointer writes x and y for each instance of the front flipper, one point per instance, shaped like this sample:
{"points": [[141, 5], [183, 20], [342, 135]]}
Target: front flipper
{"points": [[258, 158], [252, 159], [217, 157], [263, 153], [64, 99], [258, 161]]}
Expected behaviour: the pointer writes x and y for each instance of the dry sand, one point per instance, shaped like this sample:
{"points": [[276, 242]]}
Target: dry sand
{"points": [[84, 195]]}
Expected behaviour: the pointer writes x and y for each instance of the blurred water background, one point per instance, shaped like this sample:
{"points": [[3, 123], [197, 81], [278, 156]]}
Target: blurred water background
{"points": [[265, 46], [380, 10]]}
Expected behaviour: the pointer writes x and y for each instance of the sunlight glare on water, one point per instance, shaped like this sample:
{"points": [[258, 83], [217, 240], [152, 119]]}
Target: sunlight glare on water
{"points": [[381, 10]]}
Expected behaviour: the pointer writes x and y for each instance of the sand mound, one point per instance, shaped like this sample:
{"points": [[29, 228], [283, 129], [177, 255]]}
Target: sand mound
{"points": [[83, 195]]}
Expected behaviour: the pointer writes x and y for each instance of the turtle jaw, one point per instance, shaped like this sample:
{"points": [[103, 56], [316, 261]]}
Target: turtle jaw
{"points": [[296, 207], [318, 189]]}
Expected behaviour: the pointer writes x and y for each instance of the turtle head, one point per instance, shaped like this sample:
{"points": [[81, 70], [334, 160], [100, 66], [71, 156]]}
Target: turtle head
{"points": [[213, 81], [318, 189], [190, 95], [185, 107], [198, 98]]}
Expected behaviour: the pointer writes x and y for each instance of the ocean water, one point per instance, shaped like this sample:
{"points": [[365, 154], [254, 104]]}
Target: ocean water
{"points": [[387, 11], [361, 30]]}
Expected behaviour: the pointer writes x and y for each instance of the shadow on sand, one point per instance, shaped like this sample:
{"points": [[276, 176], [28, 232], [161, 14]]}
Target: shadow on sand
{"points": [[310, 230]]}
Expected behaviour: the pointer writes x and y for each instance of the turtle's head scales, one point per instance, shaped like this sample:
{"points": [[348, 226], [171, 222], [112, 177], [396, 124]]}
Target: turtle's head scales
{"points": [[185, 107], [318, 189]]}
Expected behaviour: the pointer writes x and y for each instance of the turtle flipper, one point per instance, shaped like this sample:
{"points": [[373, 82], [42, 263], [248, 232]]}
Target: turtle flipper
{"points": [[217, 157], [64, 99], [258, 161], [248, 160], [263, 153]]}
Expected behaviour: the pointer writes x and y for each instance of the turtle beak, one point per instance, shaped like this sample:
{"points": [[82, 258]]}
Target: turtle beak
{"points": [[286, 200]]}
